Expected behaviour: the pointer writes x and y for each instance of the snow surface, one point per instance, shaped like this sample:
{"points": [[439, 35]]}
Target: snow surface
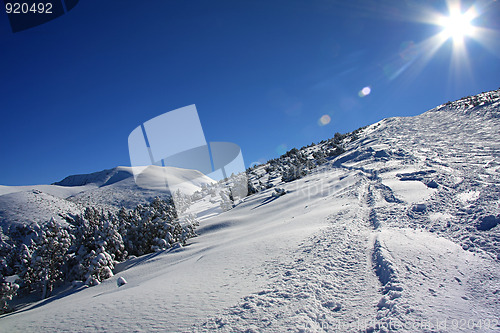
{"points": [[54, 190], [109, 189], [34, 206], [388, 236]]}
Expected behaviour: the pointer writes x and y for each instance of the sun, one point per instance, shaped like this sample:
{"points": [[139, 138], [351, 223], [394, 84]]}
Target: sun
{"points": [[458, 30], [457, 25]]}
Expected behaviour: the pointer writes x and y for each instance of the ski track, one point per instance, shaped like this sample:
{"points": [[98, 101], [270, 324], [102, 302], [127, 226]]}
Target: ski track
{"points": [[357, 276], [327, 284]]}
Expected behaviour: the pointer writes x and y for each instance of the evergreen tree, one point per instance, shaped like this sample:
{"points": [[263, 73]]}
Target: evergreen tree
{"points": [[97, 246], [227, 203], [251, 189], [293, 172], [156, 226], [49, 257], [7, 292], [239, 186], [182, 201], [337, 138]]}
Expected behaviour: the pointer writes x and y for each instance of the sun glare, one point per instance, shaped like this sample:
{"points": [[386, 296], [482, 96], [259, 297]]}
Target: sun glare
{"points": [[458, 30], [457, 25]]}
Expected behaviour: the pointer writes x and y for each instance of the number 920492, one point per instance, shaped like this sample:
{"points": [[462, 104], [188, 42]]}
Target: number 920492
{"points": [[28, 8]]}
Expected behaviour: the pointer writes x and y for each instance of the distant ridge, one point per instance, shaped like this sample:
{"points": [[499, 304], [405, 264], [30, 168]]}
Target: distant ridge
{"points": [[100, 178]]}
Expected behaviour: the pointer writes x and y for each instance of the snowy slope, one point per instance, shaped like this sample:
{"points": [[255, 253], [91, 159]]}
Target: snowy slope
{"points": [[109, 189], [401, 231], [152, 177], [33, 206], [118, 188], [54, 190]]}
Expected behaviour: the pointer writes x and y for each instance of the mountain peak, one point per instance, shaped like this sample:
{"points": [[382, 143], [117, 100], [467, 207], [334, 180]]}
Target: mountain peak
{"points": [[100, 178]]}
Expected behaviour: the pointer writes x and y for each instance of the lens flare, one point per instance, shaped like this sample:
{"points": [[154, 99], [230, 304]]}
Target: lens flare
{"points": [[324, 120], [408, 51], [365, 91], [256, 163]]}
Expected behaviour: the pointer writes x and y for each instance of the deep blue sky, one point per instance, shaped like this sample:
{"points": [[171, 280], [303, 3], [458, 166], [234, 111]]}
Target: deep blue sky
{"points": [[260, 72]]}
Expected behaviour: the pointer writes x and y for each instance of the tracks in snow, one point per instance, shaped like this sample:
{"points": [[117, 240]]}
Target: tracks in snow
{"points": [[346, 279], [332, 282]]}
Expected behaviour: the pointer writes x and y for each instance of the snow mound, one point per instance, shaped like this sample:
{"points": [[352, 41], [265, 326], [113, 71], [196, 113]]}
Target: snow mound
{"points": [[160, 178], [121, 281]]}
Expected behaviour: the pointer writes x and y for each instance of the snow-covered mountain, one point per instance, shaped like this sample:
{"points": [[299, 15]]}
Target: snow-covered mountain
{"points": [[117, 187], [109, 189], [100, 178], [400, 232]]}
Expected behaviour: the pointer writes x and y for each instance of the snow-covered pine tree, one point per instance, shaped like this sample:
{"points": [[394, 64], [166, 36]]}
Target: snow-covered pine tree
{"points": [[251, 189], [227, 203], [269, 182], [97, 246], [336, 152], [23, 265], [7, 289], [49, 257], [293, 172], [188, 223], [7, 292], [337, 138], [239, 186], [182, 201], [100, 266], [153, 227]]}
